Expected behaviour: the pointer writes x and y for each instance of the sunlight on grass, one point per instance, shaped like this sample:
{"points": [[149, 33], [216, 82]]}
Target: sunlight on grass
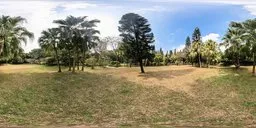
{"points": [[41, 96]]}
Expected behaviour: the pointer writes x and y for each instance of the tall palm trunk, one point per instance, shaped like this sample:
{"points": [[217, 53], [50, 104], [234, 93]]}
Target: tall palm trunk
{"points": [[1, 45], [83, 60], [254, 63], [69, 60], [141, 66], [207, 62], [199, 61], [238, 60], [74, 61], [57, 57]]}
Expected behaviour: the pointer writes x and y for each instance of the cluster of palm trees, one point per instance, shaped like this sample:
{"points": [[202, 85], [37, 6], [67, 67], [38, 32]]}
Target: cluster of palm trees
{"points": [[198, 51], [12, 35], [74, 36], [241, 39]]}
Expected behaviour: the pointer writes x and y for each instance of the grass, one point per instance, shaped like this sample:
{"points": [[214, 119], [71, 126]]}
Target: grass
{"points": [[38, 96]]}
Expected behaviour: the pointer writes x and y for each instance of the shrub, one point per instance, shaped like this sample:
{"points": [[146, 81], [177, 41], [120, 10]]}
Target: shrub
{"points": [[115, 64], [91, 62], [50, 61], [17, 60]]}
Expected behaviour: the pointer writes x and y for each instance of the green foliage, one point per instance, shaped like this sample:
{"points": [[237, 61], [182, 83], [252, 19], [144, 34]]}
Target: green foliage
{"points": [[137, 38], [50, 61], [158, 59], [12, 34], [210, 52], [91, 62], [115, 64], [17, 60]]}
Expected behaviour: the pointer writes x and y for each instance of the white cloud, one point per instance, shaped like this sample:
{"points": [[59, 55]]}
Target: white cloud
{"points": [[249, 5], [76, 5], [155, 9], [179, 48], [211, 36], [40, 15], [214, 37]]}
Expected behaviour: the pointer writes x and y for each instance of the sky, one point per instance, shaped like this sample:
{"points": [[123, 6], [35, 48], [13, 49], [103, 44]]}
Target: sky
{"points": [[171, 20]]}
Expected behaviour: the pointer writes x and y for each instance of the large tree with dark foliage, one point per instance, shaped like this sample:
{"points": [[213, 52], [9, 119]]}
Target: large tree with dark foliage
{"points": [[197, 44], [137, 37]]}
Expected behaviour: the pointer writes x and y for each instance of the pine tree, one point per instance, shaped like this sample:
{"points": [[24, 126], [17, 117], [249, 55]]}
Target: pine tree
{"points": [[137, 38]]}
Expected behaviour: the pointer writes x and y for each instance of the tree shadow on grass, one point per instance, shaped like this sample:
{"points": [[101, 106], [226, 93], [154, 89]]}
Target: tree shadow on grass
{"points": [[165, 74]]}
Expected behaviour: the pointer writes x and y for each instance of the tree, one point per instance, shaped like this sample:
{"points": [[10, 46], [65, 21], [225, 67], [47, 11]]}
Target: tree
{"points": [[186, 50], [114, 44], [50, 40], [89, 34], [249, 36], [12, 34], [197, 43], [233, 41], [210, 52], [81, 36], [137, 37], [72, 25]]}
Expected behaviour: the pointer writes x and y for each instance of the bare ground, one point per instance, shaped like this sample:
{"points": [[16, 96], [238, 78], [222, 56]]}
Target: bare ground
{"points": [[177, 78]]}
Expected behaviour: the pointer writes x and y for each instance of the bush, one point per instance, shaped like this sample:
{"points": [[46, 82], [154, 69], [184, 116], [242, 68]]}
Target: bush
{"points": [[17, 60], [50, 61], [91, 62], [115, 64]]}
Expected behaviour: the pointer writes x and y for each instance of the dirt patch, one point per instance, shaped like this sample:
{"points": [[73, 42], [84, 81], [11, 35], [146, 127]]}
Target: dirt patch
{"points": [[177, 78]]}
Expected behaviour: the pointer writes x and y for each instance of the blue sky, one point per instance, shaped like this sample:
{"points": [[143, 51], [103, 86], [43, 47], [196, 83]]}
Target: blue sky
{"points": [[171, 20]]}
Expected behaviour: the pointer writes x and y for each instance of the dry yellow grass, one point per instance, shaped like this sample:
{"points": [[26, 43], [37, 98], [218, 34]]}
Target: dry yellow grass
{"points": [[163, 96], [176, 78]]}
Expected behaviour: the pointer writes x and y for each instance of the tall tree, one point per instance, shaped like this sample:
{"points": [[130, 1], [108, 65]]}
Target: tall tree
{"points": [[137, 37], [50, 40], [89, 34], [233, 41], [249, 36], [196, 38], [12, 34], [187, 48], [188, 42], [73, 25], [210, 52]]}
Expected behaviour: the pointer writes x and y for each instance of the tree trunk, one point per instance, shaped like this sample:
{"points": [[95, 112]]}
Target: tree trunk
{"points": [[141, 66], [77, 61], [207, 62], [83, 61], [199, 61], [69, 60], [77, 65], [1, 46], [254, 63], [237, 61], [57, 57], [74, 62]]}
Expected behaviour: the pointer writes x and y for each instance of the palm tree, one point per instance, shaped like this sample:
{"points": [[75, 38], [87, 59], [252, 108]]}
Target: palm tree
{"points": [[249, 27], [66, 44], [89, 36], [197, 43], [233, 40], [72, 25], [12, 34], [50, 40], [210, 51], [82, 35]]}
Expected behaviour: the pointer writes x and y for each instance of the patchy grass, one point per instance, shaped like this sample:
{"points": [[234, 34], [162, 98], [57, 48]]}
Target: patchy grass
{"points": [[38, 96]]}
